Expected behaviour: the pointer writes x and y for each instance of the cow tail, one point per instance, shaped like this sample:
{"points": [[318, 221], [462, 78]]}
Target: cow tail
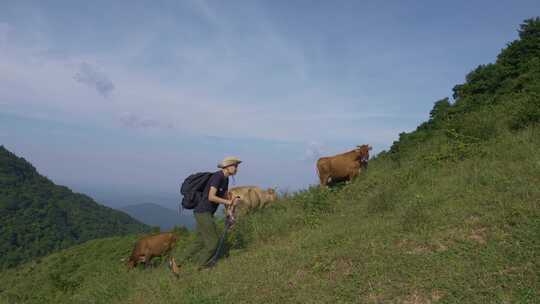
{"points": [[317, 169]]}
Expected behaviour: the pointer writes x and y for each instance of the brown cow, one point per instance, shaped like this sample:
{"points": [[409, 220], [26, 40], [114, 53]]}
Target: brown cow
{"points": [[343, 167], [151, 246]]}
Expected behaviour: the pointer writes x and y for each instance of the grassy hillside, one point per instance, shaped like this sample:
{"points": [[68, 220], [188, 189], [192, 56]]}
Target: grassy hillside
{"points": [[38, 217], [450, 214]]}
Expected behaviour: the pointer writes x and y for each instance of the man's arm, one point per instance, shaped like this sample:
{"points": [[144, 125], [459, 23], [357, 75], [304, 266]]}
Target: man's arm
{"points": [[216, 199]]}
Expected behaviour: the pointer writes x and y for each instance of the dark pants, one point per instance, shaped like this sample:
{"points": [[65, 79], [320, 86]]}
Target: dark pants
{"points": [[206, 240]]}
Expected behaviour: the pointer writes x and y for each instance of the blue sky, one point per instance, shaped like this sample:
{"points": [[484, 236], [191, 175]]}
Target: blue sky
{"points": [[124, 100]]}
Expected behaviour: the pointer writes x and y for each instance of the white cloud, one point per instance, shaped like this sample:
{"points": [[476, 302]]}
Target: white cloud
{"points": [[41, 83], [90, 76], [217, 88], [203, 8], [134, 121]]}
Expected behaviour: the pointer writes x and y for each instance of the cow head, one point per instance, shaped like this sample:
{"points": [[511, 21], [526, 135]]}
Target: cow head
{"points": [[271, 194], [363, 153], [131, 264]]}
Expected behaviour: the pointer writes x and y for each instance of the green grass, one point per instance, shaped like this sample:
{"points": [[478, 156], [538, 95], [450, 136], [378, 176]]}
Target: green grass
{"points": [[415, 231]]}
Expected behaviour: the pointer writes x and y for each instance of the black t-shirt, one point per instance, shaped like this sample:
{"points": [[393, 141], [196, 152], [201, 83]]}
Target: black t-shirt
{"points": [[221, 183]]}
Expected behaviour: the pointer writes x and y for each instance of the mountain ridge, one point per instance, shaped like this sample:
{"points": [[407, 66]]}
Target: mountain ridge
{"points": [[39, 217]]}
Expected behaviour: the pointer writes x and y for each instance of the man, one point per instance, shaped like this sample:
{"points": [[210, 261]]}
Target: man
{"points": [[204, 247]]}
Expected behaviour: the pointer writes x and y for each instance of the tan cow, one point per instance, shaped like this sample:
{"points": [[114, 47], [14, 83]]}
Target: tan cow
{"points": [[151, 246], [342, 167], [250, 198]]}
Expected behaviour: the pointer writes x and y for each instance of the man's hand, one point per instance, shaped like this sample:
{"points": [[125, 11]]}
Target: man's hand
{"points": [[230, 206], [233, 201], [230, 210]]}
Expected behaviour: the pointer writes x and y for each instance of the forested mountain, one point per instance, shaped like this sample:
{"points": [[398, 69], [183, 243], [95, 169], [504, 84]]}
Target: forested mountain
{"points": [[38, 217]]}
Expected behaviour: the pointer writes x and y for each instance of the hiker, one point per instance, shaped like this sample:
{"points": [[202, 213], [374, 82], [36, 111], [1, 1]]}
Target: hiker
{"points": [[204, 250]]}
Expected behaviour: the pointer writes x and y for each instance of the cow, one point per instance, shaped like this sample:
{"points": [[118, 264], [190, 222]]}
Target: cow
{"points": [[343, 167], [249, 198], [151, 246]]}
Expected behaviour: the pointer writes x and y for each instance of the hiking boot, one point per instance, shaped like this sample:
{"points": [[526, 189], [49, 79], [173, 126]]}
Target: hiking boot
{"points": [[203, 268], [206, 267]]}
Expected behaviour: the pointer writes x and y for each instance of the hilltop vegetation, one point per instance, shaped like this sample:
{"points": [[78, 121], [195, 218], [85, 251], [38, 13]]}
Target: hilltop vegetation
{"points": [[450, 214], [499, 97], [38, 217]]}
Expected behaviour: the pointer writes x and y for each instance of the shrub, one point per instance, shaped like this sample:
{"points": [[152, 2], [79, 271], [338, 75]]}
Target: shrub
{"points": [[526, 112]]}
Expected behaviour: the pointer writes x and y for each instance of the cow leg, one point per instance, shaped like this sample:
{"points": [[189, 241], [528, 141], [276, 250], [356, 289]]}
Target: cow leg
{"points": [[147, 259], [140, 259], [352, 175], [324, 179]]}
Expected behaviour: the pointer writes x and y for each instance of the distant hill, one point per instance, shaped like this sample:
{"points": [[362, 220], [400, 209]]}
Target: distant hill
{"points": [[156, 215], [38, 217]]}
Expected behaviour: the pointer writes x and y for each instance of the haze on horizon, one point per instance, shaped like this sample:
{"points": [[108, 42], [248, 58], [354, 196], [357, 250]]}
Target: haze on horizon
{"points": [[123, 100]]}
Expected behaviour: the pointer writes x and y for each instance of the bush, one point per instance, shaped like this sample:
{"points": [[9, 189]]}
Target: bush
{"points": [[526, 112], [478, 126], [315, 200]]}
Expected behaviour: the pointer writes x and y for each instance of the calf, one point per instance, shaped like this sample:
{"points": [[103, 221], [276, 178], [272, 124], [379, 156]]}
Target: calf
{"points": [[151, 246]]}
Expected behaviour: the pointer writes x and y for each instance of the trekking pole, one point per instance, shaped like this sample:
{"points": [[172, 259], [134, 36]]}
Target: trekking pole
{"points": [[214, 258], [229, 220]]}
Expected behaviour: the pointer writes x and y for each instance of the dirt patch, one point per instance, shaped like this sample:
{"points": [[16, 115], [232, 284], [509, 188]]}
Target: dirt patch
{"points": [[441, 247], [517, 270], [139, 299], [436, 295], [374, 298], [421, 249], [342, 267], [479, 235], [402, 243], [418, 298], [299, 276], [413, 247], [473, 219]]}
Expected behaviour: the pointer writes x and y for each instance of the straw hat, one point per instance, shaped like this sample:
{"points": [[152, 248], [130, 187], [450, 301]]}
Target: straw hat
{"points": [[229, 161]]}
